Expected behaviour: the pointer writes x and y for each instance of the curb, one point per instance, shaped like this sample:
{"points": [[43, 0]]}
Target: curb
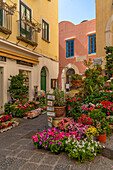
{"points": [[107, 152]]}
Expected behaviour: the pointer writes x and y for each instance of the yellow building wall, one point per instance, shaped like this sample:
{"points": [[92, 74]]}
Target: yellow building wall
{"points": [[48, 10], [104, 10]]}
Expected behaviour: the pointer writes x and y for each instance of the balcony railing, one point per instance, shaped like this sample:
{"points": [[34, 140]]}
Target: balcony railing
{"points": [[6, 12], [28, 32], [6, 23]]}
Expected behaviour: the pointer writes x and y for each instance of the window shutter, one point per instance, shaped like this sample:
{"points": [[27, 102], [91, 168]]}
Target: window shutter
{"points": [[1, 16], [48, 32]]}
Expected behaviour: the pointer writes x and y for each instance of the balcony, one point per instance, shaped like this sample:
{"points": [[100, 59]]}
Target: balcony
{"points": [[6, 12], [28, 32]]}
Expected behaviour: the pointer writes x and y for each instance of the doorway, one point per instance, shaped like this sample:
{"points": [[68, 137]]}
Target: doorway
{"points": [[69, 74], [43, 79]]}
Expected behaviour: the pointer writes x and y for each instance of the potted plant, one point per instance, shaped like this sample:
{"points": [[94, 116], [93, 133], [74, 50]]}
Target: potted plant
{"points": [[102, 131], [59, 102], [76, 80]]}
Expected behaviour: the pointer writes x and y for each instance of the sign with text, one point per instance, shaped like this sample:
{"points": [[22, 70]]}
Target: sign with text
{"points": [[97, 61], [50, 124], [50, 119], [50, 97], [50, 103], [51, 114], [49, 108]]}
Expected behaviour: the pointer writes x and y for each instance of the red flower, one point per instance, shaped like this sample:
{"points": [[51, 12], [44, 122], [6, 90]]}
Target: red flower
{"points": [[69, 108], [108, 113], [106, 97], [79, 99]]}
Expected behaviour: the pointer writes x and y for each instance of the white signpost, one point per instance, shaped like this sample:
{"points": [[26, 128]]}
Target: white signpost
{"points": [[50, 109]]}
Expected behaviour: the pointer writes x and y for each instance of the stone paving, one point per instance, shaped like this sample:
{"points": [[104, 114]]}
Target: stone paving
{"points": [[17, 151]]}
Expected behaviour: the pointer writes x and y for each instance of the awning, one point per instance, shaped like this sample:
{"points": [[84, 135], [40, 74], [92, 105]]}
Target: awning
{"points": [[17, 56]]}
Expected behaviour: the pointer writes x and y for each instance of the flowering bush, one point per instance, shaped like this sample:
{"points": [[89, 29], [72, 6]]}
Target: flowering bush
{"points": [[5, 118], [91, 132], [66, 124], [82, 149], [20, 108], [85, 119], [69, 125], [74, 107], [52, 139]]}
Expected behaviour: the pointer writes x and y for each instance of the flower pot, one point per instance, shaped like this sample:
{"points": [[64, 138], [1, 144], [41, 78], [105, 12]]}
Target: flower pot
{"points": [[102, 138], [59, 111]]}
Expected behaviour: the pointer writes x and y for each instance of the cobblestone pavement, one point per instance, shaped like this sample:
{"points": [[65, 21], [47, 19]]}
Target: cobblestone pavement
{"points": [[17, 151]]}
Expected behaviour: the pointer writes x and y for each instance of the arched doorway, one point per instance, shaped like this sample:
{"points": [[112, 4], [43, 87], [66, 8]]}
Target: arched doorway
{"points": [[69, 74], [43, 79]]}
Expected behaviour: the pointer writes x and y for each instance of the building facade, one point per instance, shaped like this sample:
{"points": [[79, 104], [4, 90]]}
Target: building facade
{"points": [[76, 44], [28, 44], [104, 27]]}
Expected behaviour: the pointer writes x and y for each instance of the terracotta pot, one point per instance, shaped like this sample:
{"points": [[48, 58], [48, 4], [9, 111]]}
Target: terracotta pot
{"points": [[102, 138], [59, 111]]}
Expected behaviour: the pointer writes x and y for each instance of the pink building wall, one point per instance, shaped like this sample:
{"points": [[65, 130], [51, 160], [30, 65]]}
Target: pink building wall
{"points": [[79, 33]]}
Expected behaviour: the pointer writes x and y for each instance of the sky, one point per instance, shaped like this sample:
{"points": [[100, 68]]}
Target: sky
{"points": [[76, 11]]}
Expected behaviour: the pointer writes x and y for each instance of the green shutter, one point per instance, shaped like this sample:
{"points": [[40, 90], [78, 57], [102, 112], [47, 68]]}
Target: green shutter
{"points": [[1, 17], [26, 31], [48, 32], [43, 79]]}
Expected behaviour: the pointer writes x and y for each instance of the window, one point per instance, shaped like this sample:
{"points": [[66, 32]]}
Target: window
{"points": [[1, 17], [25, 12], [92, 44], [70, 48], [45, 30]]}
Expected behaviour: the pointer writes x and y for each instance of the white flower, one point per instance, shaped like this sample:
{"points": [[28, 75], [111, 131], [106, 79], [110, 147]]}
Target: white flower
{"points": [[84, 151], [72, 142], [95, 154], [74, 150], [103, 146]]}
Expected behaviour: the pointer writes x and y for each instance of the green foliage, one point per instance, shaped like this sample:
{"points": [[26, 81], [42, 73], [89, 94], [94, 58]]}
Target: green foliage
{"points": [[109, 61], [59, 97], [73, 106], [76, 77], [97, 115], [93, 81], [17, 88], [7, 108]]}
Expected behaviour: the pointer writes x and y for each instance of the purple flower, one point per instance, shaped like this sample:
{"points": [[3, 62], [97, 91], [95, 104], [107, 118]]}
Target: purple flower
{"points": [[40, 143], [45, 146], [59, 143], [50, 143]]}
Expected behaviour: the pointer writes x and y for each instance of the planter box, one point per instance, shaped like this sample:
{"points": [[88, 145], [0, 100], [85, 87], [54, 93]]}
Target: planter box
{"points": [[76, 83]]}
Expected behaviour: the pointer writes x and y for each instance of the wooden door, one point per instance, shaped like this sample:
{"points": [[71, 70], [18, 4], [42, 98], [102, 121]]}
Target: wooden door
{"points": [[43, 79]]}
